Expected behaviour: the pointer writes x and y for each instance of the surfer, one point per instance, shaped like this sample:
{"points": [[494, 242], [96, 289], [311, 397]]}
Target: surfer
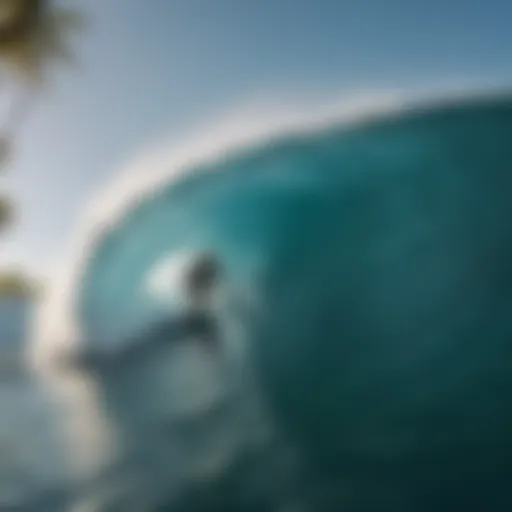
{"points": [[199, 320], [197, 323]]}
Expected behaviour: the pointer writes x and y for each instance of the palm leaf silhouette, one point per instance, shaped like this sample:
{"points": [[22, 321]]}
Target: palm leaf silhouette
{"points": [[6, 212], [33, 37]]}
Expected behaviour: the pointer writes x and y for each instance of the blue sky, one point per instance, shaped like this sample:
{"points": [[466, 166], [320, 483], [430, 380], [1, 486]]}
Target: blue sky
{"points": [[154, 69]]}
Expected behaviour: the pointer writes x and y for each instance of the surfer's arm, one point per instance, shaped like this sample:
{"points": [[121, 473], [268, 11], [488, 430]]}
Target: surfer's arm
{"points": [[191, 325]]}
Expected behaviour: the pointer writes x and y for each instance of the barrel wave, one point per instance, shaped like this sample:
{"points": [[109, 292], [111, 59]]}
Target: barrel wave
{"points": [[360, 353]]}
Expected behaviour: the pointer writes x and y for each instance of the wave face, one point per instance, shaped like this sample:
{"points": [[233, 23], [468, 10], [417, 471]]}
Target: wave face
{"points": [[364, 349]]}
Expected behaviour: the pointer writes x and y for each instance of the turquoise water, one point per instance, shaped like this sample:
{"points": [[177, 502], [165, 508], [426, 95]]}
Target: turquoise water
{"points": [[26, 454], [14, 316], [381, 259], [13, 322]]}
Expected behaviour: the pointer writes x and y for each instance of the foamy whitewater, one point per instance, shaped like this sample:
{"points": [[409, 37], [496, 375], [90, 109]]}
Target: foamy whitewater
{"points": [[349, 371]]}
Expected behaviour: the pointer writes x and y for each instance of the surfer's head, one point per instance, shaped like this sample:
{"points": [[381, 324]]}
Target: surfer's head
{"points": [[203, 274]]}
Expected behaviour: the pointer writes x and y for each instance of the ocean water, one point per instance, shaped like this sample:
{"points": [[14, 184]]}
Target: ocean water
{"points": [[13, 321], [13, 332], [25, 457], [359, 355]]}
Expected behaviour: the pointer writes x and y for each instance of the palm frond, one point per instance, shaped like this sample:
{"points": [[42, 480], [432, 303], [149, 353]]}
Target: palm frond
{"points": [[20, 17], [33, 36], [24, 60], [6, 212], [29, 55]]}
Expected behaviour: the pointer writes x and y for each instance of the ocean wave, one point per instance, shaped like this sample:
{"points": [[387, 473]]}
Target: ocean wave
{"points": [[162, 166], [329, 229]]}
